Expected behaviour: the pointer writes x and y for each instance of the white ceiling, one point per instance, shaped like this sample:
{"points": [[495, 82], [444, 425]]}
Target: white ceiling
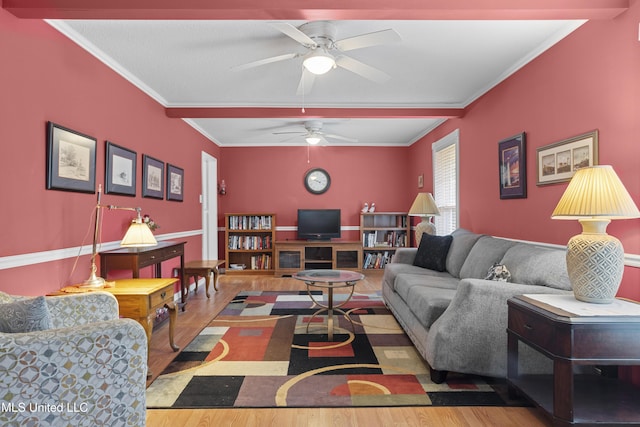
{"points": [[438, 64]]}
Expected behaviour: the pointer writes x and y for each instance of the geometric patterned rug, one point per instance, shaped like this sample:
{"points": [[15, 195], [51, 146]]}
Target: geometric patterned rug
{"points": [[257, 353]]}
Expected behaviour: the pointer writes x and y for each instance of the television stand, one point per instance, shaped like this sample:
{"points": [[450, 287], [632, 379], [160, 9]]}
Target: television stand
{"points": [[292, 256]]}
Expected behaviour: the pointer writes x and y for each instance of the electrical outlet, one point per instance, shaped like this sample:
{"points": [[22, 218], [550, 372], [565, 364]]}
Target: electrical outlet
{"points": [[175, 272]]}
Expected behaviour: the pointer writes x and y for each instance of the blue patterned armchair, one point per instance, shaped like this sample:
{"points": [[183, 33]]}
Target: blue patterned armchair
{"points": [[86, 367]]}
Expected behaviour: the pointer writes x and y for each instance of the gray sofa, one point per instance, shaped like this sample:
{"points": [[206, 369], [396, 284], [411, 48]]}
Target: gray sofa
{"points": [[456, 318]]}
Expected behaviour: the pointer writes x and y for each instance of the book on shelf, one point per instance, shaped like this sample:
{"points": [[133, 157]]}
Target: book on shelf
{"points": [[250, 222], [255, 243], [391, 239], [261, 262], [377, 260]]}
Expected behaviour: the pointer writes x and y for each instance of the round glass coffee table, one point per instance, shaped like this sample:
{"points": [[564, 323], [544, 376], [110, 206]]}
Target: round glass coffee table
{"points": [[329, 280]]}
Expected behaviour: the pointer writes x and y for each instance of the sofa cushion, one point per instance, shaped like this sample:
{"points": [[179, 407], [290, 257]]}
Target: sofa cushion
{"points": [[432, 252], [534, 265], [486, 252], [26, 315], [405, 282], [463, 241], [428, 303]]}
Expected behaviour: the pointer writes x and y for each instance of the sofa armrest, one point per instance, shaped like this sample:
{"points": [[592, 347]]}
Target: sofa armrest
{"points": [[470, 336], [87, 375], [404, 255], [81, 309]]}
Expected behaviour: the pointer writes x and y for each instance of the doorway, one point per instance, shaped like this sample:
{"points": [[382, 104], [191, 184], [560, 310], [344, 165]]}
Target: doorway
{"points": [[209, 202]]}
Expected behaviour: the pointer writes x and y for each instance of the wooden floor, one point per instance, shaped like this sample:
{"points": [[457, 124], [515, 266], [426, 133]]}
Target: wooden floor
{"points": [[200, 310]]}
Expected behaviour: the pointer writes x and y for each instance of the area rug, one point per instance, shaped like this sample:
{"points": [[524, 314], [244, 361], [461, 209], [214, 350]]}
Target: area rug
{"points": [[266, 349]]}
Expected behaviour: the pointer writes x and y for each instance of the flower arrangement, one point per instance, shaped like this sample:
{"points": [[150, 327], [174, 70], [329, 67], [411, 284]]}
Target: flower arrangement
{"points": [[150, 223]]}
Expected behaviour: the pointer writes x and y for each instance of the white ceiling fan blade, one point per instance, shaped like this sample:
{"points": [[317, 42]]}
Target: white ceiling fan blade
{"points": [[265, 61], [306, 82], [294, 33], [369, 39], [362, 69], [341, 138], [290, 133]]}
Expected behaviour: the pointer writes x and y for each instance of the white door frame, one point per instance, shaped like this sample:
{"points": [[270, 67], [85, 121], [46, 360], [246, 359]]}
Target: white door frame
{"points": [[209, 202]]}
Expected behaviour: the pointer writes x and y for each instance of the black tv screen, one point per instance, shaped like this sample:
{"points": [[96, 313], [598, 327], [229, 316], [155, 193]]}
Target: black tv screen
{"points": [[318, 224]]}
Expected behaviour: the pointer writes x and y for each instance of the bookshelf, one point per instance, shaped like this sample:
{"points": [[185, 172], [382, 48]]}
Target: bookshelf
{"points": [[382, 233], [249, 241]]}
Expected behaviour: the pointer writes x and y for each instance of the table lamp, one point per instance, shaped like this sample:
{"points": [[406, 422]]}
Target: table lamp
{"points": [[425, 207], [138, 235], [595, 260]]}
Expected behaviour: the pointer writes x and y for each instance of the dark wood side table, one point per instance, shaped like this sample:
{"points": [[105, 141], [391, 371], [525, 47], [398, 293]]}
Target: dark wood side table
{"points": [[136, 258], [203, 268], [601, 335]]}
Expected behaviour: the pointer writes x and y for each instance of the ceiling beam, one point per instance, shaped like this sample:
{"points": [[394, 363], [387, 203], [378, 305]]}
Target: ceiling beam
{"points": [[316, 9], [311, 113]]}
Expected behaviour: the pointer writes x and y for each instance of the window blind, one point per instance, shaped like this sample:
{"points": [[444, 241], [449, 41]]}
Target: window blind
{"points": [[445, 179]]}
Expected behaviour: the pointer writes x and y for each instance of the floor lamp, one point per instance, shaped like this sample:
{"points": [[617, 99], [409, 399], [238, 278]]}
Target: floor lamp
{"points": [[595, 260], [138, 235], [425, 207]]}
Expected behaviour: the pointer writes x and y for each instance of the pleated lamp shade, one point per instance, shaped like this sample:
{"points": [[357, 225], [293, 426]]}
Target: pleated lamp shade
{"points": [[596, 192], [138, 235]]}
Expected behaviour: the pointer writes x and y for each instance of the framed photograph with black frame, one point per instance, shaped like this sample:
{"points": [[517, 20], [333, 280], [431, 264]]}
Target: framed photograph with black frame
{"points": [[71, 160], [152, 177], [512, 155], [175, 182], [120, 175], [558, 162]]}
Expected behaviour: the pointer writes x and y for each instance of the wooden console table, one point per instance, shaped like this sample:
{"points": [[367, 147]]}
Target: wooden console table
{"points": [[134, 259], [601, 335]]}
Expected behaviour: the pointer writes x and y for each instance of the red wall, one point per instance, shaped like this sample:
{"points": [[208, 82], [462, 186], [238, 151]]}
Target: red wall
{"points": [[46, 77], [271, 180], [590, 80]]}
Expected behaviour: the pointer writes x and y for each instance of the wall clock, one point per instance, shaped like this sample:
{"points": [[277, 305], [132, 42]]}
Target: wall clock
{"points": [[317, 180]]}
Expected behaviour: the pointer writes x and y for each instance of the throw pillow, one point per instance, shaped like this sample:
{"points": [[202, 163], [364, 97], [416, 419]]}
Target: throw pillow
{"points": [[498, 272], [25, 316], [432, 252]]}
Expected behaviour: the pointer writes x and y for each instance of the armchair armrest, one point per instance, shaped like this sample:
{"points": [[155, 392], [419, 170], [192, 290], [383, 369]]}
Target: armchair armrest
{"points": [[86, 375], [81, 309], [470, 336]]}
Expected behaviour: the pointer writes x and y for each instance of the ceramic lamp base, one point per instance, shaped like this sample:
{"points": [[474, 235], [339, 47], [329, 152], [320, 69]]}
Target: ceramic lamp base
{"points": [[595, 263], [426, 226]]}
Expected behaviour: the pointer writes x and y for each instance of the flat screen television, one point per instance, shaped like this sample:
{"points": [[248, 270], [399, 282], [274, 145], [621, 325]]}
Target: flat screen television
{"points": [[318, 224]]}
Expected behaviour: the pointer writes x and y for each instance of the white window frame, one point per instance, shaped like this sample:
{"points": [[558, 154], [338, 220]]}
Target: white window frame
{"points": [[451, 139]]}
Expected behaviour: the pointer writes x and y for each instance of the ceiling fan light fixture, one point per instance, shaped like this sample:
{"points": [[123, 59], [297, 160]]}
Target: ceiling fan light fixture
{"points": [[319, 62], [313, 139]]}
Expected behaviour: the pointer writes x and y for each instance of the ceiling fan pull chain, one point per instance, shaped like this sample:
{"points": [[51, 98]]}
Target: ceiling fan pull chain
{"points": [[303, 85]]}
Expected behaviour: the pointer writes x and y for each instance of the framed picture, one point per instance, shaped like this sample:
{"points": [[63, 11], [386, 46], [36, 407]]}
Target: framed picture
{"points": [[175, 182], [152, 177], [420, 181], [558, 162], [512, 159], [71, 160], [120, 176]]}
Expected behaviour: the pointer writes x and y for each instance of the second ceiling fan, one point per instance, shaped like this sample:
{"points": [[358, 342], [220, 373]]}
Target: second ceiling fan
{"points": [[314, 135], [324, 52]]}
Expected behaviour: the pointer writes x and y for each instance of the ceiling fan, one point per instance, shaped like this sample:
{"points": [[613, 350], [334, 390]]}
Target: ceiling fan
{"points": [[325, 53], [313, 133]]}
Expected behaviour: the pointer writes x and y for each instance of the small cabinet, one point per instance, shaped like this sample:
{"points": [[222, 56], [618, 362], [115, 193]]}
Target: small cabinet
{"points": [[382, 233], [249, 240]]}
